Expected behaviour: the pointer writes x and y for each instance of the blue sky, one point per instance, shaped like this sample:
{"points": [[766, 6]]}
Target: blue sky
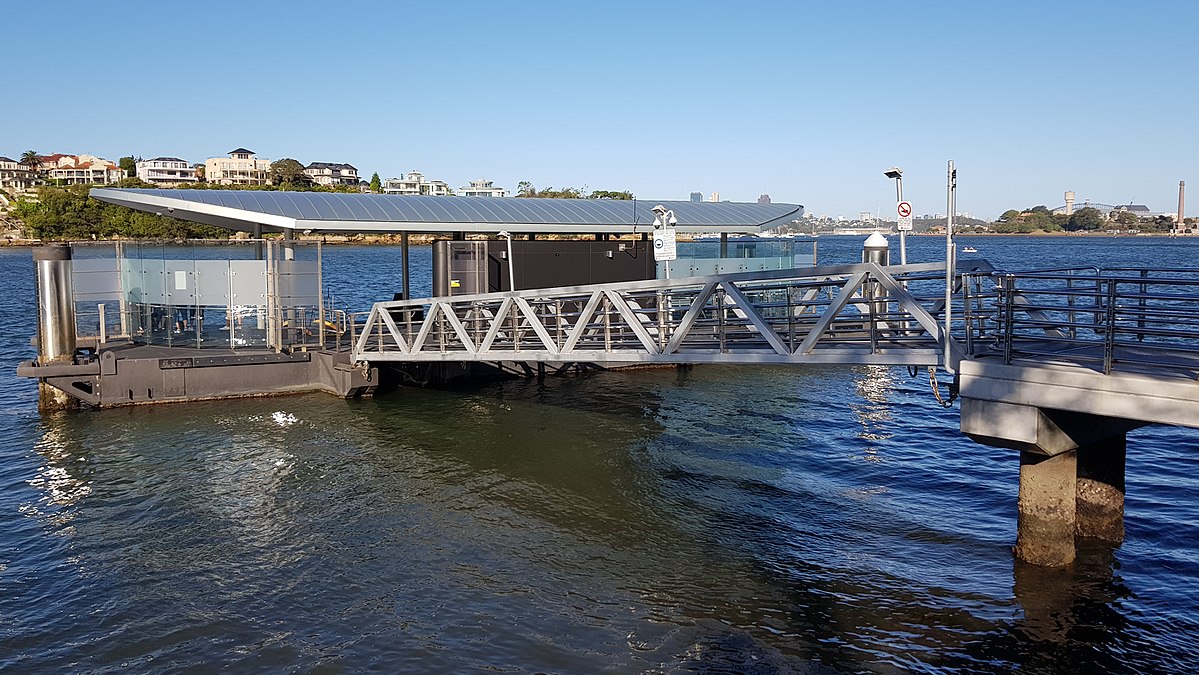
{"points": [[808, 102]]}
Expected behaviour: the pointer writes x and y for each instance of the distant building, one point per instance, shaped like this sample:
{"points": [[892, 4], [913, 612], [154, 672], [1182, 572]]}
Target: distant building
{"points": [[16, 178], [715, 197], [697, 196], [763, 199], [1138, 210], [327, 173], [80, 170], [482, 188], [166, 171], [414, 183], [241, 167]]}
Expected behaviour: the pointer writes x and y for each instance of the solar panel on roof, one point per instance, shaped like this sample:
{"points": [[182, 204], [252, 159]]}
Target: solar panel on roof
{"points": [[241, 209]]}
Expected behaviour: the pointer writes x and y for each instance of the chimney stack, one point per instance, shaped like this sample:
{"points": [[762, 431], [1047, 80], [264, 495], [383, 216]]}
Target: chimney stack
{"points": [[1182, 189]]}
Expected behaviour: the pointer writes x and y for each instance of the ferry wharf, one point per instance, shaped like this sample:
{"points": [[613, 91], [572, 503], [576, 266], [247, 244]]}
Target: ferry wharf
{"points": [[1056, 364]]}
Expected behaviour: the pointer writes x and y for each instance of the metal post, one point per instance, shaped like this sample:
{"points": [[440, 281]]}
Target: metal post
{"points": [[950, 263], [56, 318], [404, 255], [320, 296], [903, 240], [724, 244], [56, 308]]}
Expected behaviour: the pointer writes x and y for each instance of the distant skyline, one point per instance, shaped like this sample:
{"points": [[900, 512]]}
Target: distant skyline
{"points": [[808, 103]]}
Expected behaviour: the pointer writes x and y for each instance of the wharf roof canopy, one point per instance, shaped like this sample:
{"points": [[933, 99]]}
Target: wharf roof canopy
{"points": [[350, 213]]}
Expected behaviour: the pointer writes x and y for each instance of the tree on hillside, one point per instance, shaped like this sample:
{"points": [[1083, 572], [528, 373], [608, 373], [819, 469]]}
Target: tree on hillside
{"points": [[30, 159], [1126, 218], [1085, 219], [376, 184], [610, 194], [526, 189], [1009, 216], [128, 165], [288, 170]]}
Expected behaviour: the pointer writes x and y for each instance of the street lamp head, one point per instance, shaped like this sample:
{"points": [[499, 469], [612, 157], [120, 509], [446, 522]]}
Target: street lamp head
{"points": [[659, 209], [505, 234], [893, 172]]}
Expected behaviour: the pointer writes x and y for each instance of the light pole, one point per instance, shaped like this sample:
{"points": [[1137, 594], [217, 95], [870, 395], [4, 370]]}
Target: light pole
{"points": [[897, 173], [511, 262]]}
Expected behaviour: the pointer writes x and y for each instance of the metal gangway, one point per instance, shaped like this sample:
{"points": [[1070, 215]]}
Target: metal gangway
{"points": [[862, 313], [1108, 320]]}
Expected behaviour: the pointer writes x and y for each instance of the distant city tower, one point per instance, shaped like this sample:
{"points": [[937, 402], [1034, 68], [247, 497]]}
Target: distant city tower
{"points": [[715, 197], [764, 199], [697, 196], [1069, 203]]}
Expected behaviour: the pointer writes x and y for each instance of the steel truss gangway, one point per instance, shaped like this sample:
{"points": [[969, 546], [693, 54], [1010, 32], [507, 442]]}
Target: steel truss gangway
{"points": [[848, 314]]}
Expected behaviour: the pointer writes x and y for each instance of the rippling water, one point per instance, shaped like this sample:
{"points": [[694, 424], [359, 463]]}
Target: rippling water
{"points": [[713, 519]]}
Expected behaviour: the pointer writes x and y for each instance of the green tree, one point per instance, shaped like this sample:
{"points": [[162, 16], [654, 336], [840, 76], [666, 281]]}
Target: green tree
{"points": [[526, 189], [376, 184], [610, 194], [128, 165], [1126, 218], [1009, 216], [1085, 219], [30, 159], [288, 170]]}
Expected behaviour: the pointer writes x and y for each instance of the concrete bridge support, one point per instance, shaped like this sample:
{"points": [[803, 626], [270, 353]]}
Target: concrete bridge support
{"points": [[1071, 474]]}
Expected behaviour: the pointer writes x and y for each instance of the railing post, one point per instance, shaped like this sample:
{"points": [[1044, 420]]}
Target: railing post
{"points": [[1141, 303], [103, 336], [662, 337], [558, 324], [1007, 291], [607, 324], [720, 321], [1109, 342]]}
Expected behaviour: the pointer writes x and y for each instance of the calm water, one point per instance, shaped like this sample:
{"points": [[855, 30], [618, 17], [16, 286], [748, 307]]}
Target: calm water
{"points": [[717, 519]]}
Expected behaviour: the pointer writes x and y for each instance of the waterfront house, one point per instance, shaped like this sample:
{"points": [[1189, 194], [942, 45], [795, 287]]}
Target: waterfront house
{"points": [[482, 188], [241, 167], [63, 169], [327, 173], [15, 178], [414, 183], [166, 171]]}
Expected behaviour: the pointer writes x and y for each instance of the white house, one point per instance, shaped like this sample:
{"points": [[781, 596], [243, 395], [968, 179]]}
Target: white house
{"points": [[482, 188], [241, 167], [414, 183], [166, 171]]}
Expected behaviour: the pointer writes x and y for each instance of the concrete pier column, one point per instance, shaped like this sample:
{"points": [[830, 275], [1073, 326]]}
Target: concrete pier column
{"points": [[55, 318], [1100, 490], [1046, 508]]}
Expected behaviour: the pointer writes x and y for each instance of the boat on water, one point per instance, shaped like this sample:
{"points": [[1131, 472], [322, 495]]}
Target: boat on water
{"points": [[969, 249]]}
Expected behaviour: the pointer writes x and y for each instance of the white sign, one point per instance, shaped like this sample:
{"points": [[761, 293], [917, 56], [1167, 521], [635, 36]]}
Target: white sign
{"points": [[904, 210], [664, 244]]}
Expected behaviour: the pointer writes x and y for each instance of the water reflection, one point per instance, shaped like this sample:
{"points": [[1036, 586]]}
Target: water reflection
{"points": [[63, 478], [873, 385]]}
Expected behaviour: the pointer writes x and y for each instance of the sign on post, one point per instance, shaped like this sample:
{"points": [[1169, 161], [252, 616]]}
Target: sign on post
{"points": [[664, 244], [904, 210]]}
